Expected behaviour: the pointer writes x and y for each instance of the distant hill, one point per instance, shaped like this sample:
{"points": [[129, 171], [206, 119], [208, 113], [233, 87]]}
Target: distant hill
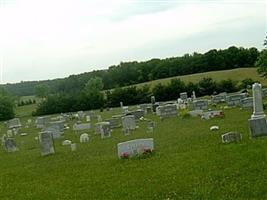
{"points": [[129, 73]]}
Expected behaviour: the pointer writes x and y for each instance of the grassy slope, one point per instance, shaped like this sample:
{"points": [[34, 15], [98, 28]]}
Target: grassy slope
{"points": [[190, 162], [235, 74]]}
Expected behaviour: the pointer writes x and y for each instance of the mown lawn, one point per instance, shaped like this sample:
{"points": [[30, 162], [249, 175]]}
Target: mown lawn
{"points": [[190, 162]]}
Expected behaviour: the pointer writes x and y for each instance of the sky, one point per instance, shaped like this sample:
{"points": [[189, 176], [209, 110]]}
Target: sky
{"points": [[47, 39]]}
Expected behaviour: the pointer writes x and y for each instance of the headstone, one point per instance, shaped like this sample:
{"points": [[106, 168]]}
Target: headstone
{"points": [[80, 115], [88, 118], [13, 123], [200, 104], [9, 133], [46, 143], [99, 118], [219, 98], [194, 95], [135, 147], [151, 126], [128, 123], [235, 99], [66, 142], [196, 113], [115, 122], [153, 100], [258, 124], [10, 145], [82, 126], [125, 109], [167, 111], [41, 122], [137, 114], [211, 114], [58, 124], [84, 138], [121, 104], [105, 130], [183, 96], [147, 108], [73, 147], [247, 102], [54, 130], [231, 137]]}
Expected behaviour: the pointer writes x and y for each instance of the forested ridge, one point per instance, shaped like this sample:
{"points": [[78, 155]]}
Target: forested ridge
{"points": [[128, 73]]}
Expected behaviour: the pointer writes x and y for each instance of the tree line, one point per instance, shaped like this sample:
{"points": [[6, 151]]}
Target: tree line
{"points": [[91, 96], [128, 73]]}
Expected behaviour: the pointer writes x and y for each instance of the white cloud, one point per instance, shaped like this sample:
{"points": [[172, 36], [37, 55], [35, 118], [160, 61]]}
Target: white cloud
{"points": [[48, 39]]}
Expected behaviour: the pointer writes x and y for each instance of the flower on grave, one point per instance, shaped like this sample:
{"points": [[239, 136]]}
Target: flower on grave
{"points": [[147, 150], [125, 155]]}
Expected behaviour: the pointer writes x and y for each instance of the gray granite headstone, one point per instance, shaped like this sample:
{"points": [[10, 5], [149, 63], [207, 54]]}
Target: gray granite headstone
{"points": [[167, 111], [200, 104], [46, 143], [10, 145], [13, 123], [128, 122], [231, 137], [183, 96], [247, 102]]}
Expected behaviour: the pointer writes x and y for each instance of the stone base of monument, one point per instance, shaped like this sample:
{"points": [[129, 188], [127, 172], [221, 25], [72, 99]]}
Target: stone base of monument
{"points": [[258, 127]]}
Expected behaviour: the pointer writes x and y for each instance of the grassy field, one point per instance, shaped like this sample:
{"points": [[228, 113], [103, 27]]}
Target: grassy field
{"points": [[234, 74], [190, 162]]}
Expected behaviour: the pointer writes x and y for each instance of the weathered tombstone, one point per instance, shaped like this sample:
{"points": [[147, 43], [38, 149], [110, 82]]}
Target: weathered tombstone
{"points": [[121, 104], [135, 147], [183, 96], [247, 102], [46, 143], [115, 122], [88, 118], [194, 95], [58, 124], [235, 99], [153, 100], [82, 126], [166, 111], [151, 126], [231, 137], [125, 109], [80, 115], [41, 122], [105, 130], [54, 130], [219, 98], [200, 104], [258, 124], [84, 138], [211, 114], [13, 123], [10, 145], [99, 118], [137, 114], [147, 108], [73, 147], [128, 123]]}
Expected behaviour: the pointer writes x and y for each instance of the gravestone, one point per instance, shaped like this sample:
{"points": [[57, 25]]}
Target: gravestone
{"points": [[194, 95], [88, 118], [211, 114], [247, 102], [153, 100], [81, 115], [183, 96], [54, 130], [41, 122], [219, 98], [125, 109], [195, 113], [13, 123], [151, 126], [115, 122], [137, 114], [58, 124], [147, 108], [73, 147], [10, 144], [167, 111], [105, 130], [81, 127], [200, 104], [84, 138], [231, 137], [46, 143], [99, 118], [135, 147], [235, 99], [128, 123], [121, 104], [257, 122]]}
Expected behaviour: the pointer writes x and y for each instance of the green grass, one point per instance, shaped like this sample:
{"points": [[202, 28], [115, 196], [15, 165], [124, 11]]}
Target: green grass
{"points": [[234, 74], [190, 162]]}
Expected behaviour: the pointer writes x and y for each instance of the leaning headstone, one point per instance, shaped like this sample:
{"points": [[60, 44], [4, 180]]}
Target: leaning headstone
{"points": [[167, 111], [128, 122], [258, 124], [10, 145], [46, 143], [247, 102], [200, 104], [231, 137], [135, 147]]}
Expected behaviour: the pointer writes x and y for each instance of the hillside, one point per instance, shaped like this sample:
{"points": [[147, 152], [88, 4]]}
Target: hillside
{"points": [[234, 74]]}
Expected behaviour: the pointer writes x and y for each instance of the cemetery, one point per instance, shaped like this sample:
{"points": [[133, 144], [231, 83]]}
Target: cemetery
{"points": [[179, 146]]}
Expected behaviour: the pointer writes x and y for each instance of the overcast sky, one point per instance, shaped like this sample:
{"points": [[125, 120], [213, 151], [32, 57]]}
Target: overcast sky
{"points": [[46, 39]]}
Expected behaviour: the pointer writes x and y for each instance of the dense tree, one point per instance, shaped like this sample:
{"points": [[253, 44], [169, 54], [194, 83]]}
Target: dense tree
{"points": [[6, 106], [41, 91]]}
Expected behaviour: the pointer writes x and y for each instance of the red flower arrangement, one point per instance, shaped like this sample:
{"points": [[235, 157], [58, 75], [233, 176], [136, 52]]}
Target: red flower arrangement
{"points": [[147, 151], [125, 155]]}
